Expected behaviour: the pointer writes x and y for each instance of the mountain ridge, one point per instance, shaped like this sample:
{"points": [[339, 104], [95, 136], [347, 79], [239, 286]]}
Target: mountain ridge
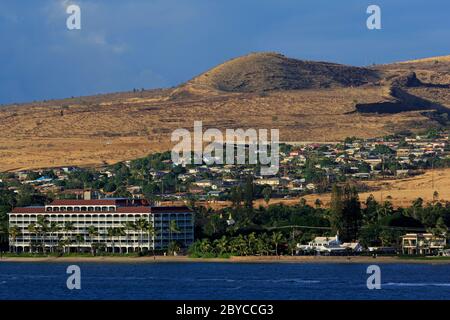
{"points": [[305, 100]]}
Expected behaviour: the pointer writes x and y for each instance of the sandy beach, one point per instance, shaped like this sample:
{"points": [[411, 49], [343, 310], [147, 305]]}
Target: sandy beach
{"points": [[244, 259]]}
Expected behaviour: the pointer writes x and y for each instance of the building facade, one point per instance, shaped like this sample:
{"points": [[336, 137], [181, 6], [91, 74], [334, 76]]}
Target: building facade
{"points": [[115, 225], [422, 243]]}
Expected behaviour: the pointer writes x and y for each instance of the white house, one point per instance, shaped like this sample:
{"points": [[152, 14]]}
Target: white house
{"points": [[330, 244], [353, 246], [322, 244]]}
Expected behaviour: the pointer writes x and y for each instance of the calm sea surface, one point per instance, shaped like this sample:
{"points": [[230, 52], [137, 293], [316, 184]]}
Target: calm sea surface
{"points": [[223, 281]]}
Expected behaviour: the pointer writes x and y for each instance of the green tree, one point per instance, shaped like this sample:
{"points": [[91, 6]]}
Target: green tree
{"points": [[336, 209], [43, 226], [173, 248], [267, 194], [52, 229], [142, 226], [277, 238], [14, 232], [346, 216], [68, 228], [221, 245], [79, 238], [33, 230], [151, 232], [173, 228], [92, 232]]}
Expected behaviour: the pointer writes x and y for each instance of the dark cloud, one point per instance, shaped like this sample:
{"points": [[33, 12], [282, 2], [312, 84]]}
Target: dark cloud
{"points": [[140, 43]]}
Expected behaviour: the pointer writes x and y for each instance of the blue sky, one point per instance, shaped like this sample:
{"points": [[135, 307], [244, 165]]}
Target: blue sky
{"points": [[161, 43]]}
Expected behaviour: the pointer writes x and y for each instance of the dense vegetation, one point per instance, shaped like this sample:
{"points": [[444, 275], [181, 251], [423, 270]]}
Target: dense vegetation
{"points": [[242, 230]]}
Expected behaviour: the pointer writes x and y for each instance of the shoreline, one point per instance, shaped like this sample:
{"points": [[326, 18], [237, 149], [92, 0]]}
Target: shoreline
{"points": [[234, 259]]}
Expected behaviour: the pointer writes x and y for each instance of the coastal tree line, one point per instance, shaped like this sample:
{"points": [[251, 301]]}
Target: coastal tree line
{"points": [[370, 222]]}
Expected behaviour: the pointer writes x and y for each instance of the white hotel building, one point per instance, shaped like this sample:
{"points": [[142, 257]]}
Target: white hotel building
{"points": [[104, 215]]}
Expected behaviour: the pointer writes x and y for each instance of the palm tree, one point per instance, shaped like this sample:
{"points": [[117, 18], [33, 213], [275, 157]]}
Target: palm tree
{"points": [[111, 233], [260, 246], [277, 237], [120, 232], [251, 243], [221, 245], [264, 244], [3, 231], [42, 230], [267, 193], [79, 238], [92, 232], [128, 226], [173, 228], [205, 246], [239, 245], [68, 227], [142, 226], [62, 243], [32, 229], [14, 232], [151, 234], [172, 248], [292, 246], [54, 227]]}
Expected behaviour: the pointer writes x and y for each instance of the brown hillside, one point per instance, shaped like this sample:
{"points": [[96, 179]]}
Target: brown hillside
{"points": [[307, 101], [258, 72]]}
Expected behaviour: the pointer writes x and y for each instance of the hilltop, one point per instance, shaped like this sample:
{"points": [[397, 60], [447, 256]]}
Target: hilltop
{"points": [[259, 72], [306, 100]]}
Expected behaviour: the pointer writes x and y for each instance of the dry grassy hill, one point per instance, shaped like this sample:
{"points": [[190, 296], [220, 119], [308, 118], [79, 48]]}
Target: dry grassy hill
{"points": [[259, 72], [307, 101]]}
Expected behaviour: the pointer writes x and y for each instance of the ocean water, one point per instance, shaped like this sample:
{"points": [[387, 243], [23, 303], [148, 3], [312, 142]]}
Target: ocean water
{"points": [[185, 281]]}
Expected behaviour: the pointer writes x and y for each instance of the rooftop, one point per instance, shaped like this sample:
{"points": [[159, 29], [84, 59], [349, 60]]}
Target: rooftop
{"points": [[120, 205]]}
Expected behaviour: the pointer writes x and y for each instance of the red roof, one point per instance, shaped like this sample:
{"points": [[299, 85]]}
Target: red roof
{"points": [[127, 209], [133, 210], [97, 202]]}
